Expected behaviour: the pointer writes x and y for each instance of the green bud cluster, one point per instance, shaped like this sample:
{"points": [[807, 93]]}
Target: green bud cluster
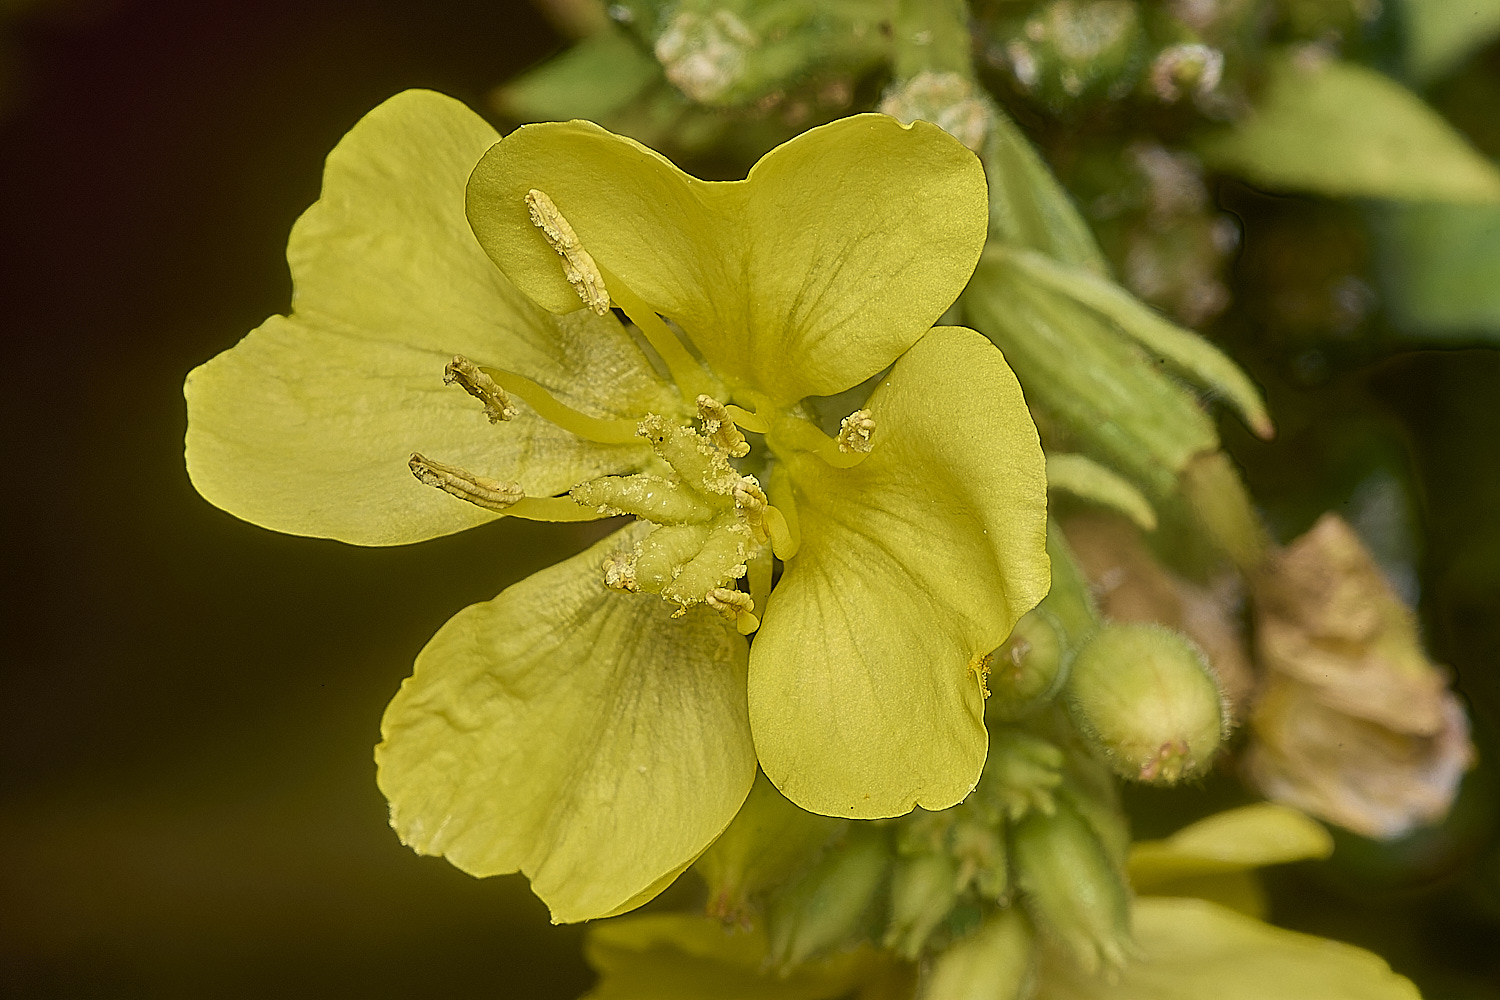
{"points": [[833, 904]]}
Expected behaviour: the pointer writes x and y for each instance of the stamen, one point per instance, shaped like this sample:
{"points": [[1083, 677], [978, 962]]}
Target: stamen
{"points": [[719, 425], [472, 379], [492, 494], [781, 520], [750, 501], [578, 267], [855, 432], [747, 419], [619, 573], [758, 575], [784, 538], [548, 408], [690, 377], [735, 606], [803, 436]]}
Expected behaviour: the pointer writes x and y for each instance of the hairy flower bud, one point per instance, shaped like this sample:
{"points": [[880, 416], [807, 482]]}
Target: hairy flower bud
{"points": [[1076, 894], [992, 964], [1026, 672], [770, 841], [923, 890], [828, 906], [1144, 698]]}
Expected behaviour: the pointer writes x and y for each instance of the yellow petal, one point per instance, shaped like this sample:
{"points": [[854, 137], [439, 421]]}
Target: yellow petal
{"points": [[809, 276], [307, 424], [577, 734], [865, 685], [1192, 949]]}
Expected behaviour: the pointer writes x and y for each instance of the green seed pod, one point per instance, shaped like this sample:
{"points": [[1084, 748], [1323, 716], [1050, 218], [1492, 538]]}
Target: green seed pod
{"points": [[827, 907], [769, 842], [1075, 893], [1026, 672], [992, 964], [1143, 696], [923, 890]]}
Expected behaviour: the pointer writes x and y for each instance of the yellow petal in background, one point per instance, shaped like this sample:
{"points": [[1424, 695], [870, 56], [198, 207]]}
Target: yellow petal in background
{"points": [[865, 687], [806, 278], [306, 426], [1215, 857], [1192, 949], [577, 734], [673, 956]]}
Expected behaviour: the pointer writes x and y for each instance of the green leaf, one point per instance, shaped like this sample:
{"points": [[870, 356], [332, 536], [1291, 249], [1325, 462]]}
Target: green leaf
{"points": [[1088, 480], [1079, 372], [1191, 949], [306, 426], [809, 276], [1343, 130], [578, 734], [1440, 33], [1028, 207], [865, 685], [673, 956], [1184, 350], [595, 78], [1441, 269]]}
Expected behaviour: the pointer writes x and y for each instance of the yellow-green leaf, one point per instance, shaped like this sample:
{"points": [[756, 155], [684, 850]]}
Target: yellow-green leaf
{"points": [[1440, 33], [1183, 350], [578, 734], [865, 685], [1334, 128], [1088, 480]]}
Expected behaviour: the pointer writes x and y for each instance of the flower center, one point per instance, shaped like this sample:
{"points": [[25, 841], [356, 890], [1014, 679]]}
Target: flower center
{"points": [[714, 526]]}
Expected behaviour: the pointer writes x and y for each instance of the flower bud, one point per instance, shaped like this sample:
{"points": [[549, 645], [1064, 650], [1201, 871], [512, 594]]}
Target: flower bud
{"points": [[1074, 49], [1142, 695], [924, 888], [1026, 671], [1076, 895], [992, 964], [1020, 774], [980, 851], [828, 906], [769, 842]]}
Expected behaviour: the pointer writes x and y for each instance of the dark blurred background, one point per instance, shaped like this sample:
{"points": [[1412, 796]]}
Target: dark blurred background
{"points": [[187, 797]]}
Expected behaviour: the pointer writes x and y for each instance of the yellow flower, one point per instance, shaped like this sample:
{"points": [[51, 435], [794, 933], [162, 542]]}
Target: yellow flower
{"points": [[597, 725]]}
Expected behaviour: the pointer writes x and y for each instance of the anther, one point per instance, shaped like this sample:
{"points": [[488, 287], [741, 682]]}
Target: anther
{"points": [[578, 267], [719, 426], [734, 606], [750, 500], [491, 494], [472, 379], [855, 432], [619, 573]]}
